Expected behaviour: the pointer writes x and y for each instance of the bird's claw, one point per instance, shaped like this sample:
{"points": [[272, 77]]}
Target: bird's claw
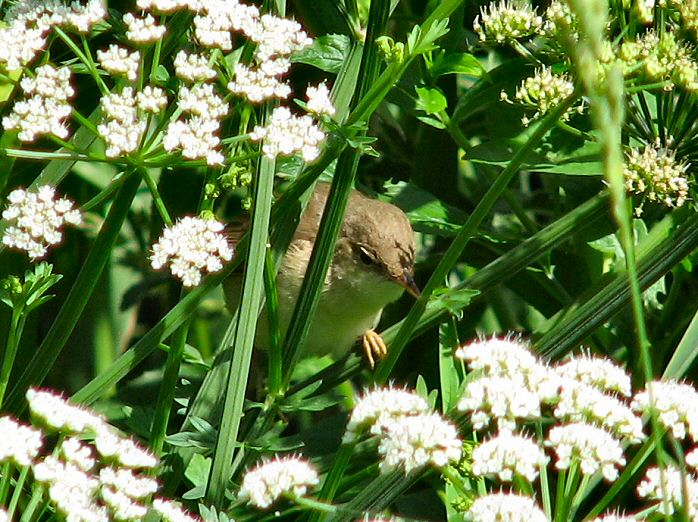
{"points": [[373, 345]]}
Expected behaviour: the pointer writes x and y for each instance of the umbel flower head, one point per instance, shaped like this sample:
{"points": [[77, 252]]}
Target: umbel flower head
{"points": [[265, 484], [507, 20], [35, 219], [657, 174], [191, 247], [505, 507], [544, 91]]}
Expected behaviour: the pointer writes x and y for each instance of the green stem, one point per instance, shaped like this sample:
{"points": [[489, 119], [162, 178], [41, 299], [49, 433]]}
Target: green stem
{"points": [[157, 199], [6, 481], [333, 477], [34, 501], [166, 394], [17, 493], [14, 335], [469, 228], [272, 305]]}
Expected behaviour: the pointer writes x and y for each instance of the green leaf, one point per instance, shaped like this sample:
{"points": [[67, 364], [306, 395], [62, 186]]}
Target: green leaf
{"points": [[327, 53], [432, 122], [456, 63], [431, 100]]}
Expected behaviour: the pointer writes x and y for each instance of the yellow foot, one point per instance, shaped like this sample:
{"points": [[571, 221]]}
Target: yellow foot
{"points": [[373, 345]]}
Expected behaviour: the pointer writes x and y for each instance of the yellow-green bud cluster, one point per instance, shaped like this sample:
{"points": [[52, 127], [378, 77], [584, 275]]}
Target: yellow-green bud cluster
{"points": [[544, 91], [507, 20]]}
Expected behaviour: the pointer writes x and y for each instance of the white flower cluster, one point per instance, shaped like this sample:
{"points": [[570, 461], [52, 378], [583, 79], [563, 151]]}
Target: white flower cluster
{"points": [[196, 135], [190, 247], [120, 61], [256, 85], [544, 91], [593, 448], [123, 128], [505, 507], [45, 106], [268, 482], [94, 475], [597, 372], [411, 435], [193, 67], [143, 30], [674, 403], [34, 220], [286, 134], [667, 486], [507, 455], [656, 173], [507, 20], [29, 22], [319, 102]]}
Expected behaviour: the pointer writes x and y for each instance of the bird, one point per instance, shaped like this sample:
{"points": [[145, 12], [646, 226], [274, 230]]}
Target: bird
{"points": [[372, 265]]}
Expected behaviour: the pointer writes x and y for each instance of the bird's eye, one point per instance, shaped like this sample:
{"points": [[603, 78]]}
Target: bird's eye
{"points": [[365, 257]]}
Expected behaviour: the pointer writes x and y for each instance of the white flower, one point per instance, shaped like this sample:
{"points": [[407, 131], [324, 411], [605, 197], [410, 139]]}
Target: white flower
{"points": [[501, 399], [20, 443], [171, 512], [615, 517], [692, 458], [656, 173], [84, 17], [127, 482], [123, 129], [143, 30], [72, 490], [193, 67], [124, 451], [265, 484], [196, 137], [192, 246], [21, 43], [667, 486], [507, 20], [151, 99], [410, 442], [505, 507], [544, 91], [594, 449], [676, 406], [120, 106], [118, 60], [123, 507], [277, 37], [34, 220], [379, 408], [319, 100], [54, 411], [45, 106], [76, 452], [163, 6], [286, 134], [202, 100], [582, 402], [256, 85], [507, 455], [596, 371]]}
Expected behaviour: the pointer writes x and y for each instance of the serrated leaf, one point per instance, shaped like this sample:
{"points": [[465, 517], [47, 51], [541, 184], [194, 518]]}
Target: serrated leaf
{"points": [[327, 53]]}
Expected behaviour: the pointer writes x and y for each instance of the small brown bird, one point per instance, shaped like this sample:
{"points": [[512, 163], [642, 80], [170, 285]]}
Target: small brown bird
{"points": [[373, 264]]}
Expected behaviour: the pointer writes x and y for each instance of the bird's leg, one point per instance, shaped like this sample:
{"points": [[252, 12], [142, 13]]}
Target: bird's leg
{"points": [[373, 345]]}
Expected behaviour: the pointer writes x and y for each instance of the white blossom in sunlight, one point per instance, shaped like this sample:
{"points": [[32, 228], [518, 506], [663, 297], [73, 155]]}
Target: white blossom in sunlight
{"points": [[193, 67], [505, 507], [379, 408], [675, 404], [667, 487], [20, 443], [265, 484], [128, 482], [163, 6], [122, 507], [507, 20], [594, 449], [76, 452], [615, 517], [143, 30], [319, 101], [256, 85], [196, 138], [21, 44], [507, 455], [578, 402], [543, 92], [57, 413], [216, 20], [122, 450], [119, 60], [202, 100], [276, 37], [287, 134], [191, 247], [171, 512], [500, 399], [599, 372], [45, 106], [692, 458], [34, 220], [151, 99], [410, 442], [123, 129]]}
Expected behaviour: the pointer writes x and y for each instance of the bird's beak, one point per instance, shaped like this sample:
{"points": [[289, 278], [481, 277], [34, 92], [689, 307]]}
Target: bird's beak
{"points": [[407, 281]]}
